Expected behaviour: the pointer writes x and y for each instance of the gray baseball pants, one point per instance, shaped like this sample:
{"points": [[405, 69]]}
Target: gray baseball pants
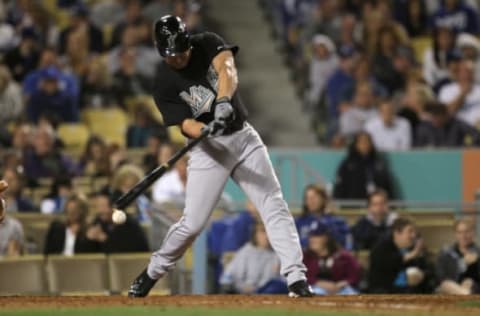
{"points": [[242, 156]]}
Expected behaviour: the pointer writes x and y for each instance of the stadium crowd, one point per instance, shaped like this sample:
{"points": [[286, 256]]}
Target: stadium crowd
{"points": [[355, 65]]}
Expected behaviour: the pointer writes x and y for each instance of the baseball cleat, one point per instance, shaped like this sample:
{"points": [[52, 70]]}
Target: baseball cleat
{"points": [[142, 285], [300, 289]]}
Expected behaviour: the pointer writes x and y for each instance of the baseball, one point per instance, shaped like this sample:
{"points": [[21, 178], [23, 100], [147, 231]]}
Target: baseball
{"points": [[119, 217]]}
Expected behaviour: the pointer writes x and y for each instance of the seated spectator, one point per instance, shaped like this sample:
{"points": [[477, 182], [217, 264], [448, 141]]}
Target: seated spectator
{"points": [[49, 58], [362, 171], [11, 99], [95, 161], [469, 48], [97, 85], [21, 138], [143, 126], [326, 20], [44, 159], [146, 58], [324, 62], [150, 159], [435, 58], [413, 15], [16, 201], [127, 81], [462, 96], [60, 191], [314, 210], [330, 269], [157, 8], [458, 16], [24, 57], [133, 17], [458, 265], [397, 262], [454, 58], [114, 238], [171, 187], [353, 119], [79, 20], [388, 130], [442, 130], [51, 100], [104, 13], [11, 237], [370, 228], [413, 105], [124, 178], [68, 237], [255, 268]]}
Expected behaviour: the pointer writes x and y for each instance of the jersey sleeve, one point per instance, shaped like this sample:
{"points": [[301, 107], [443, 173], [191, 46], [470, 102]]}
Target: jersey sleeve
{"points": [[174, 111], [214, 45]]}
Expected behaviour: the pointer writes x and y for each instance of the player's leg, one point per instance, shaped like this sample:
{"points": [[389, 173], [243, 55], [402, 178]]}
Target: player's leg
{"points": [[256, 177], [205, 183]]}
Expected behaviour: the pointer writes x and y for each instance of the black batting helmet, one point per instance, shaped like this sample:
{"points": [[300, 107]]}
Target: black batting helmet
{"points": [[171, 36]]}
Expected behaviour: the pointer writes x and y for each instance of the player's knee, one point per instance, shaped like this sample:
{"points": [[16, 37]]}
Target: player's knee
{"points": [[191, 228]]}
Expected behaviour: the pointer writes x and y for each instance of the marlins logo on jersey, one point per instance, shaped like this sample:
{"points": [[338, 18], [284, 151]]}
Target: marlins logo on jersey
{"points": [[199, 98]]}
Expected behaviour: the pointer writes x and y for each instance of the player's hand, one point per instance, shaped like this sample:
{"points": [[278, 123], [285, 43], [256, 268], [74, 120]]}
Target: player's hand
{"points": [[224, 111], [215, 127]]}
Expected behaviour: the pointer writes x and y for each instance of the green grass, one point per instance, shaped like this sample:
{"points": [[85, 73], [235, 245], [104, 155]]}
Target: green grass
{"points": [[172, 311], [469, 304]]}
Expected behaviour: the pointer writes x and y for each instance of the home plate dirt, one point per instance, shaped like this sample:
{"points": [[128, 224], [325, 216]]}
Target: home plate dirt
{"points": [[469, 305]]}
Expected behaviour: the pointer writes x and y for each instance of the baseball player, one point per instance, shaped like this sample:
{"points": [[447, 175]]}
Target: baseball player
{"points": [[196, 89]]}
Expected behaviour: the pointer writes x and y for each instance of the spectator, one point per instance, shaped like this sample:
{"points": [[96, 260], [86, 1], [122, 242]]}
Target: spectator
{"points": [[340, 79], [95, 161], [79, 21], [124, 178], [442, 130], [370, 228], [330, 269], [24, 57], [349, 32], [21, 138], [49, 58], [255, 268], [60, 191], [454, 58], [145, 58], [239, 228], [469, 48], [435, 59], [133, 17], [128, 82], [353, 119], [456, 15], [68, 237], [51, 100], [107, 12], [413, 105], [44, 159], [314, 210], [15, 200], [143, 126], [322, 66], [397, 262], [112, 238], [388, 130], [97, 83], [325, 20], [11, 99], [413, 15], [458, 265], [171, 187], [11, 237], [157, 8], [362, 171], [150, 159], [463, 95]]}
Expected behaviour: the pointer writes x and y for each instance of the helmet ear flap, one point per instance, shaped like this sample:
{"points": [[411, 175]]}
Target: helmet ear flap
{"points": [[171, 36]]}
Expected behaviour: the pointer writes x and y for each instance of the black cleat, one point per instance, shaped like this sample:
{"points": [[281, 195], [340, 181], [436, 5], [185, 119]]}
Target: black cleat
{"points": [[141, 285], [300, 289]]}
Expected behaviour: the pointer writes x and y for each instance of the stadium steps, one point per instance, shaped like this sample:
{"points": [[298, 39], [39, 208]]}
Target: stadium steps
{"points": [[264, 82]]}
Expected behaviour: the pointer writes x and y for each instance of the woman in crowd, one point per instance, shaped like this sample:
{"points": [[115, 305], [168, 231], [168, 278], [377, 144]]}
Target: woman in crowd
{"points": [[362, 171], [95, 160], [330, 269]]}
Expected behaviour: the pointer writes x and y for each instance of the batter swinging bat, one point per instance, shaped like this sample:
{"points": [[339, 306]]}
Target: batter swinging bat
{"points": [[156, 173]]}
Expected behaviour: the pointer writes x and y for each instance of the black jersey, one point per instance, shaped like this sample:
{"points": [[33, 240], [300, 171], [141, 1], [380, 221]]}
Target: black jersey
{"points": [[191, 92]]}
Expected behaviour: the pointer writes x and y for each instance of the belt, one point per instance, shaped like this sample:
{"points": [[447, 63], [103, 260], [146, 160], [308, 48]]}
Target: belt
{"points": [[234, 127]]}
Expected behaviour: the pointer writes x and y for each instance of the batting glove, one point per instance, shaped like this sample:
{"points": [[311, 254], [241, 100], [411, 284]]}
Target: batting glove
{"points": [[215, 127], [224, 111]]}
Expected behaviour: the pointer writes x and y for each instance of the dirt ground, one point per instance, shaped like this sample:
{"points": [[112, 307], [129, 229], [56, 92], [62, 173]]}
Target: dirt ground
{"points": [[400, 303]]}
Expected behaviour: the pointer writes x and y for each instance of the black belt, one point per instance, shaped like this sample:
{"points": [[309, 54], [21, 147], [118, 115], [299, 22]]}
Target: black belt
{"points": [[234, 127]]}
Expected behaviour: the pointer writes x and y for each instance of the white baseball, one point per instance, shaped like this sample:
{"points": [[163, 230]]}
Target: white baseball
{"points": [[119, 217]]}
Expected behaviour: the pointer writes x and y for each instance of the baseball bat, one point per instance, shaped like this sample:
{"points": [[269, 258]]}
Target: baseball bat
{"points": [[156, 173]]}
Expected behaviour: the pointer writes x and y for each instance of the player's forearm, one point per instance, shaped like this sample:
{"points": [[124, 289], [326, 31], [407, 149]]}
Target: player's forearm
{"points": [[192, 128], [227, 77]]}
